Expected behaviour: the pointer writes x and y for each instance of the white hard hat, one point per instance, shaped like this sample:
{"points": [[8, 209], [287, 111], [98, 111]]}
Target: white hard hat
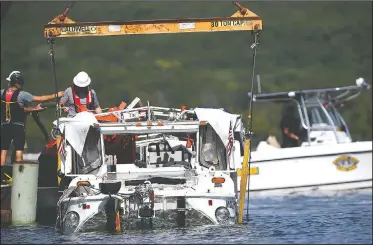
{"points": [[82, 79]]}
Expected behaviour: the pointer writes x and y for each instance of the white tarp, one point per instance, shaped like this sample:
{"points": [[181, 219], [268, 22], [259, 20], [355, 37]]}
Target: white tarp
{"points": [[219, 121], [76, 129]]}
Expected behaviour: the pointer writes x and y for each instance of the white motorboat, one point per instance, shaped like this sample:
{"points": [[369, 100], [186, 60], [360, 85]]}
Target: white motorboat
{"points": [[326, 159], [164, 164]]}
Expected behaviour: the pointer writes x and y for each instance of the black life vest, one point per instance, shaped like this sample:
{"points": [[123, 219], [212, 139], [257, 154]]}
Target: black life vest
{"points": [[11, 111]]}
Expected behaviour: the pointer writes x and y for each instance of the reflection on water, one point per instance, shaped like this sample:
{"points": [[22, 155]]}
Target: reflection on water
{"points": [[329, 218], [162, 220]]}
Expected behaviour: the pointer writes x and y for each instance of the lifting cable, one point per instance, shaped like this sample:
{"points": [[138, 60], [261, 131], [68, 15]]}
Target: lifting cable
{"points": [[254, 46], [50, 41]]}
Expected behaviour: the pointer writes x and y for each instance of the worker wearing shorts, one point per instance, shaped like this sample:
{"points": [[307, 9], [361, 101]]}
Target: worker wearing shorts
{"points": [[14, 104]]}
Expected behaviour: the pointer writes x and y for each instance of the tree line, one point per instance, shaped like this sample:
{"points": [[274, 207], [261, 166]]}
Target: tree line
{"points": [[303, 45]]}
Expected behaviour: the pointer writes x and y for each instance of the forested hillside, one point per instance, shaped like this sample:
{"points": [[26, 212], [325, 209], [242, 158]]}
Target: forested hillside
{"points": [[303, 45]]}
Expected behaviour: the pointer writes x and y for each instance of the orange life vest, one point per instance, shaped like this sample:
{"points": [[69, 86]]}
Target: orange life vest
{"points": [[111, 118], [79, 107]]}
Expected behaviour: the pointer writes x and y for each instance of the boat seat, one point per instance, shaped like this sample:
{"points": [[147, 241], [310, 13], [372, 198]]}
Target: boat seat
{"points": [[161, 152], [159, 147]]}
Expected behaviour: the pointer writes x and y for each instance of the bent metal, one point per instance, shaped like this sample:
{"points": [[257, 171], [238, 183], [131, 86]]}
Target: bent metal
{"points": [[78, 29]]}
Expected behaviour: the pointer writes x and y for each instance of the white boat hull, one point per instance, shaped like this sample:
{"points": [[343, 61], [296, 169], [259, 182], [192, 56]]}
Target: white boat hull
{"points": [[304, 169]]}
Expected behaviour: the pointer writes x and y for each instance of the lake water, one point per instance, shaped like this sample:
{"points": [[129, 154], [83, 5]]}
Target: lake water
{"points": [[330, 218]]}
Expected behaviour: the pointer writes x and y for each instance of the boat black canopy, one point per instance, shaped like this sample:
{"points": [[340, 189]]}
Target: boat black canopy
{"points": [[318, 106], [333, 94]]}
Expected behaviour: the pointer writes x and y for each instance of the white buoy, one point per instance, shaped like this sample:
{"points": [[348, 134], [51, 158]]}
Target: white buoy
{"points": [[24, 192]]}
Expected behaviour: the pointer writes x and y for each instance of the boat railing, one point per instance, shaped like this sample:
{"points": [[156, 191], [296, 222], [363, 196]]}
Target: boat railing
{"points": [[310, 98], [348, 93]]}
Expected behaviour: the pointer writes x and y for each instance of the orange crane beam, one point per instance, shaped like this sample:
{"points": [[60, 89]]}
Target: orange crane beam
{"points": [[242, 20]]}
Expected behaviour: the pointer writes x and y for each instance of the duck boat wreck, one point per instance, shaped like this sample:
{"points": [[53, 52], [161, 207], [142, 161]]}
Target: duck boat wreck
{"points": [[129, 181], [165, 161]]}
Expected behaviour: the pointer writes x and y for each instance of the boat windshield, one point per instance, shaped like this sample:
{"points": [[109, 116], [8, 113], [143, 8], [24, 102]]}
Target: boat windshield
{"points": [[318, 118]]}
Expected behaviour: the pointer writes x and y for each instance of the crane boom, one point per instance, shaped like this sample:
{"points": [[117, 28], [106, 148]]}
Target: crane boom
{"points": [[62, 26]]}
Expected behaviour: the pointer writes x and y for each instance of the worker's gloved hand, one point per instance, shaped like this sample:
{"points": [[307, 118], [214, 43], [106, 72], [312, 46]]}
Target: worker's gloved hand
{"points": [[39, 106]]}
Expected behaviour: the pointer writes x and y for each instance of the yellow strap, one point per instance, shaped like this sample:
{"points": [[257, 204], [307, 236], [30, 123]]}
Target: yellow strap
{"points": [[7, 112], [7, 108], [9, 180]]}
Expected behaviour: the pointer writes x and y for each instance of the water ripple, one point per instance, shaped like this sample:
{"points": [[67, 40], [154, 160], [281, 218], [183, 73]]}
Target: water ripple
{"points": [[327, 219]]}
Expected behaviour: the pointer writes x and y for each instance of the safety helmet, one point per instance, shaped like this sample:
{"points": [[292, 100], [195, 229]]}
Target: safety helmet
{"points": [[82, 79], [16, 76]]}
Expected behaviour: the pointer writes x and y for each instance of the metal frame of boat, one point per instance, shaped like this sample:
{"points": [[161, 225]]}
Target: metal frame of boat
{"points": [[144, 189], [327, 159]]}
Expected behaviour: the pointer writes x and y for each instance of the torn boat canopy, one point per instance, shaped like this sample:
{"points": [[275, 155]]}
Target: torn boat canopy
{"points": [[76, 129], [222, 122]]}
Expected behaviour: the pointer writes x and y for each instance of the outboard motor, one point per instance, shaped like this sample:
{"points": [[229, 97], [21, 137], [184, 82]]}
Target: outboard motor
{"points": [[145, 198], [112, 207]]}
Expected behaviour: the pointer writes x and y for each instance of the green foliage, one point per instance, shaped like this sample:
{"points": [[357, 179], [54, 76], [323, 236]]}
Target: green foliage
{"points": [[303, 45]]}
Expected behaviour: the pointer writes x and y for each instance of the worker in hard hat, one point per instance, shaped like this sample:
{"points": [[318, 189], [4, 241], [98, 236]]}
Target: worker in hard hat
{"points": [[80, 96], [15, 103]]}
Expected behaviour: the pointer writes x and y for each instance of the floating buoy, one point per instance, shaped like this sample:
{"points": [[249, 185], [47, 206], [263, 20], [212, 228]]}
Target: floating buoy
{"points": [[24, 192]]}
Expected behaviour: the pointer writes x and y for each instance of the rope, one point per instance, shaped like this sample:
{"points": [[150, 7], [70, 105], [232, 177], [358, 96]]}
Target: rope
{"points": [[254, 46], [242, 9], [68, 7], [35, 116], [62, 17]]}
